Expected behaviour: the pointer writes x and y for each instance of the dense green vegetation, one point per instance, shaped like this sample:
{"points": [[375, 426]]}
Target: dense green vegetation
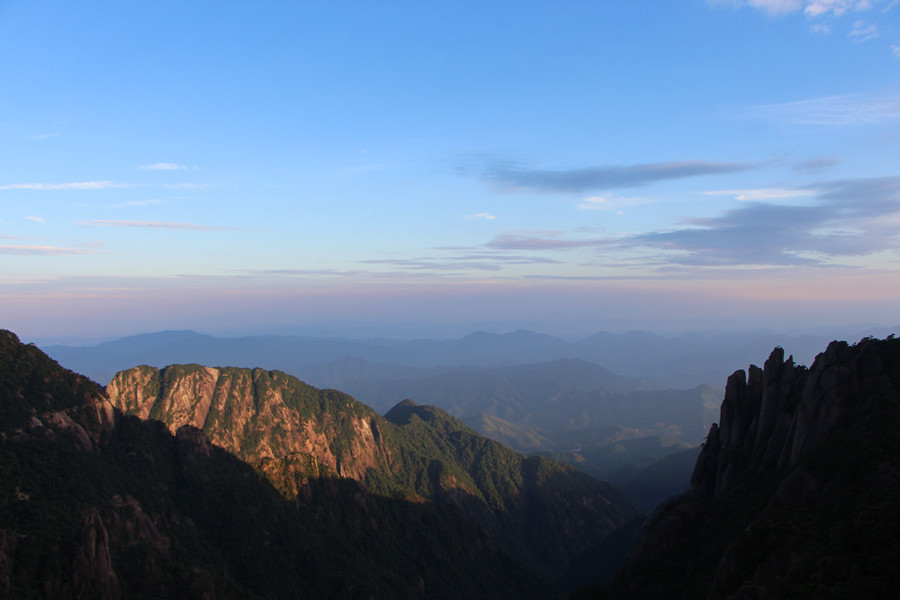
{"points": [[292, 432], [143, 513]]}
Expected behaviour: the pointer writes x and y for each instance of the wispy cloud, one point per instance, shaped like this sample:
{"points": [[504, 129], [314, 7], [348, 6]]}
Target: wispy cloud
{"points": [[424, 264], [810, 8], [155, 225], [186, 186], [465, 261], [36, 219], [481, 215], [147, 202], [764, 193], [300, 273], [816, 164], [163, 167], [79, 185], [824, 16], [863, 32], [42, 136], [849, 109], [543, 240], [817, 8], [609, 203], [848, 219], [43, 250], [513, 177], [836, 221]]}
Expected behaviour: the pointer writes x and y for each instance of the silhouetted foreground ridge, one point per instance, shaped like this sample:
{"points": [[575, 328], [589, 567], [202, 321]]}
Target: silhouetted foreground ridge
{"points": [[796, 493]]}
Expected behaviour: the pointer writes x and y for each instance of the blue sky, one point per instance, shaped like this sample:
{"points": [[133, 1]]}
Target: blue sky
{"points": [[273, 166]]}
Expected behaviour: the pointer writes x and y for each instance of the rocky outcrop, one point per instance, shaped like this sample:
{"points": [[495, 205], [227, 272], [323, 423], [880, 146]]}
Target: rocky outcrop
{"points": [[92, 571], [292, 433], [796, 491], [267, 418], [97, 504], [774, 417]]}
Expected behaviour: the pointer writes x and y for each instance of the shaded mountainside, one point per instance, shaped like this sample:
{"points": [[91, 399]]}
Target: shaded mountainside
{"points": [[796, 493], [563, 405], [97, 504], [544, 513], [649, 469], [508, 392]]}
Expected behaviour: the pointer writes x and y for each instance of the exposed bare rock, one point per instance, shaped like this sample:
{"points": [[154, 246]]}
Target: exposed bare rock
{"points": [[796, 491], [130, 525], [542, 512], [779, 415], [264, 417], [92, 571], [60, 421]]}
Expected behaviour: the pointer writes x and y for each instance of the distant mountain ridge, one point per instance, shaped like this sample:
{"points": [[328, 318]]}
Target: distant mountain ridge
{"points": [[682, 361], [555, 399]]}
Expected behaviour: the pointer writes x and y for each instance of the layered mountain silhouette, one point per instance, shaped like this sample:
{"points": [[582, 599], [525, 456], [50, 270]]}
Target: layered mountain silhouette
{"points": [[338, 502], [292, 432], [205, 482], [98, 504], [567, 408], [796, 493], [674, 361]]}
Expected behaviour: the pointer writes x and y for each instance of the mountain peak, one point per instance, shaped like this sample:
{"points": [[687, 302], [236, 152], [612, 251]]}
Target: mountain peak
{"points": [[793, 490]]}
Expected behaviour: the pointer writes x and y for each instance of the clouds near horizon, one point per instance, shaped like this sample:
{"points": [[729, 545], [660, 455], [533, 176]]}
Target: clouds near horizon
{"points": [[162, 167], [78, 185], [155, 225], [840, 220], [402, 150], [512, 177], [43, 250]]}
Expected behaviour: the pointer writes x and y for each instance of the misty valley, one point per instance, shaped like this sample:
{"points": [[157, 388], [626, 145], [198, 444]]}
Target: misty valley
{"points": [[180, 465]]}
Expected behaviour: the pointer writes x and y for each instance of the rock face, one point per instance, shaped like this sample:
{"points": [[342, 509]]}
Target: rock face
{"points": [[269, 419], [542, 512], [796, 491], [97, 504]]}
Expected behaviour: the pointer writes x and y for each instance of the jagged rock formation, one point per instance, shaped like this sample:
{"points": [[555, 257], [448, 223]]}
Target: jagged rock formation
{"points": [[796, 492], [541, 511], [97, 504]]}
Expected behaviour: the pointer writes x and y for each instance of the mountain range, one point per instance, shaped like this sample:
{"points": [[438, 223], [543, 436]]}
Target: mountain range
{"points": [[318, 497], [566, 408], [291, 432], [675, 361], [191, 481]]}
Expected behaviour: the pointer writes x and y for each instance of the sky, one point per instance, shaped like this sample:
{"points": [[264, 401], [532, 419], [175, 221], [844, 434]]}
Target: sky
{"points": [[427, 167]]}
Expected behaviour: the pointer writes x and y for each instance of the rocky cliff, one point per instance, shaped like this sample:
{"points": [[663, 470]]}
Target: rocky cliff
{"points": [[97, 504], [541, 511], [796, 492], [268, 418]]}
